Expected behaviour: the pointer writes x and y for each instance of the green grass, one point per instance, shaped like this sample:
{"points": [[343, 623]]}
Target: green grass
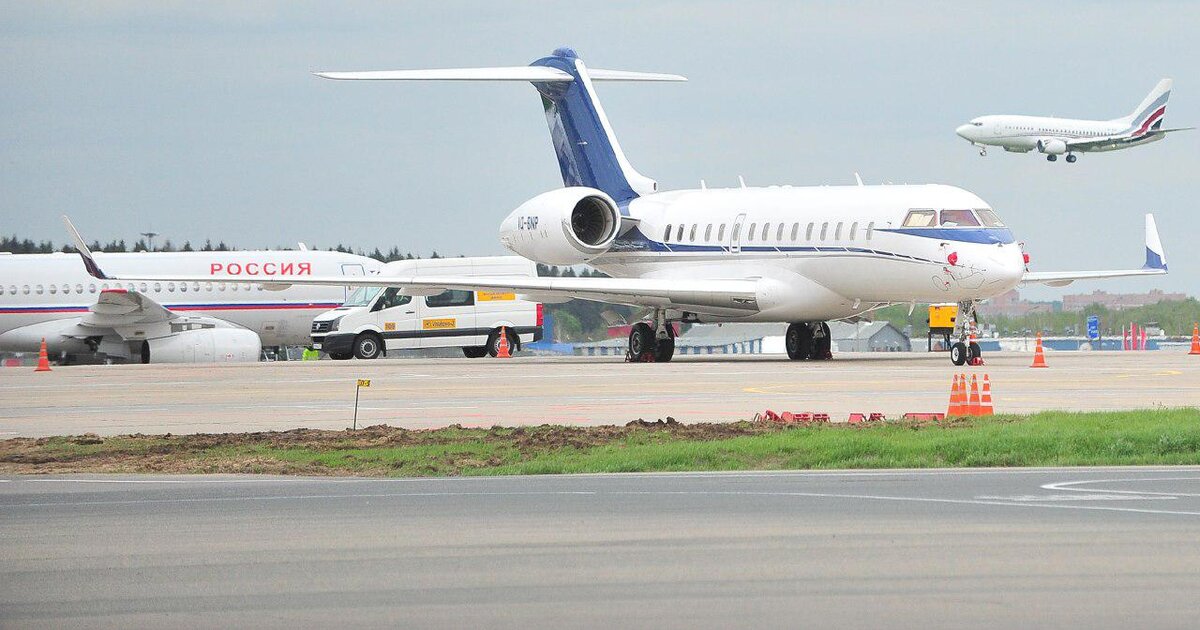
{"points": [[1159, 436]]}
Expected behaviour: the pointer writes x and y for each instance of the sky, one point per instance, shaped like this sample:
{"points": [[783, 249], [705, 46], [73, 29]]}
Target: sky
{"points": [[203, 121]]}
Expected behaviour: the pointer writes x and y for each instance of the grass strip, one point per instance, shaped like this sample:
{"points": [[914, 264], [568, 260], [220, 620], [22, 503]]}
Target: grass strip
{"points": [[1146, 437]]}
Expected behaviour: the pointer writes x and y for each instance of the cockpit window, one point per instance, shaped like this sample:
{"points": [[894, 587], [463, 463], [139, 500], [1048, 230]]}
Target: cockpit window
{"points": [[959, 218], [977, 123], [989, 218], [920, 218], [362, 296]]}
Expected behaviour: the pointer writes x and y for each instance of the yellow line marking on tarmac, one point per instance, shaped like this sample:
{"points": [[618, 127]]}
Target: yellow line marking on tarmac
{"points": [[1162, 373]]}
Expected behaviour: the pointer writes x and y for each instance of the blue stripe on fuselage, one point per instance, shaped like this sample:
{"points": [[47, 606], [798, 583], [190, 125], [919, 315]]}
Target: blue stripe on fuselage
{"points": [[987, 236]]}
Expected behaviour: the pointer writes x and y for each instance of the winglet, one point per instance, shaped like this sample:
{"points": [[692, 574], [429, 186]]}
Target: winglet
{"points": [[1155, 257], [89, 262]]}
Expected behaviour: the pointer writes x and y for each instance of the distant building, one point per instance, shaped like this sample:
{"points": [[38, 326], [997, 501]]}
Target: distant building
{"points": [[1118, 301], [1010, 304]]}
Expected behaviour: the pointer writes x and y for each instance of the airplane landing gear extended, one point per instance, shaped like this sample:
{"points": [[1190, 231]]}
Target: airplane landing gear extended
{"points": [[965, 351], [809, 341], [651, 342], [1071, 158], [1051, 158]]}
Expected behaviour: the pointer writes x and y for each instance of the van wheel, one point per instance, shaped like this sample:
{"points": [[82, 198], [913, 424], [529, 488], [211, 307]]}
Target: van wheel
{"points": [[339, 356], [368, 346], [475, 352], [493, 343]]}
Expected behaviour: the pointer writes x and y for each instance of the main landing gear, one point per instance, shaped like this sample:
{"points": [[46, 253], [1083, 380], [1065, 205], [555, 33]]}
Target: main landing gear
{"points": [[652, 342], [965, 351], [1051, 158], [1071, 158], [808, 341]]}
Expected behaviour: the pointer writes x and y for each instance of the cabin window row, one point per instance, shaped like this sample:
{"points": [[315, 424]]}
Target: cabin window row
{"points": [[777, 232], [143, 287]]}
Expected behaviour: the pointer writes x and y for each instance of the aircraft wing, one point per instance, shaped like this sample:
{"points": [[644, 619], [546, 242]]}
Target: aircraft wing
{"points": [[1083, 144], [118, 307], [1156, 264]]}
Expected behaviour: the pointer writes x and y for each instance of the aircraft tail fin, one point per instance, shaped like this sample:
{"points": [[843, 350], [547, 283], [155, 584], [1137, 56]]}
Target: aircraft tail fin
{"points": [[587, 149], [1148, 115]]}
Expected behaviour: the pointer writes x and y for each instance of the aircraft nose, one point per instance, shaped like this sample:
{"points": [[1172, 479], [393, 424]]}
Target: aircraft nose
{"points": [[964, 131]]}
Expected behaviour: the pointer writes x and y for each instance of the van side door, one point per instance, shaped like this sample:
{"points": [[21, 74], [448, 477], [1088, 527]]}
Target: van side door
{"points": [[448, 320]]}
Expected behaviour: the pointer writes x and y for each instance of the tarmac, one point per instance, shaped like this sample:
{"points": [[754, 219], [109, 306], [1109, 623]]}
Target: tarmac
{"points": [[530, 390], [1076, 547]]}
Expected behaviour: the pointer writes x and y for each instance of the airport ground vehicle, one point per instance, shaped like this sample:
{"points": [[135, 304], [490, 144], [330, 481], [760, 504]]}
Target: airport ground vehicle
{"points": [[375, 320]]}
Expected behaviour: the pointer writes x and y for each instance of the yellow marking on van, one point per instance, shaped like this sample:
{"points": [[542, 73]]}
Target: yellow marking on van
{"points": [[439, 324], [389, 326], [490, 296]]}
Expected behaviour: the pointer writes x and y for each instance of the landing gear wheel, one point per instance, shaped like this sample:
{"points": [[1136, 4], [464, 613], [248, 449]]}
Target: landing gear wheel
{"points": [[641, 343], [493, 343], [822, 343], [798, 341], [1051, 157], [1071, 159], [958, 353], [475, 352], [368, 346], [664, 349], [974, 354], [983, 152]]}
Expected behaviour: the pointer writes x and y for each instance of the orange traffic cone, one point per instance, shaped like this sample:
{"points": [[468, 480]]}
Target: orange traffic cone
{"points": [[43, 360], [985, 400], [957, 398], [502, 350], [1039, 357], [973, 402], [1195, 339]]}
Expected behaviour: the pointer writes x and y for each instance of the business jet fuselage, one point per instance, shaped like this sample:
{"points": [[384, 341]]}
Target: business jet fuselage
{"points": [[1058, 136]]}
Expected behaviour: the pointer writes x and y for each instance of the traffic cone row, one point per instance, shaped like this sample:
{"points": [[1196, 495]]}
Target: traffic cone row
{"points": [[502, 349], [975, 403], [1039, 357], [1195, 339], [43, 360]]}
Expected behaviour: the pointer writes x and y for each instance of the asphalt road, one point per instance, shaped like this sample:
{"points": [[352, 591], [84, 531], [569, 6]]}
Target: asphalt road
{"points": [[424, 393], [1086, 548]]}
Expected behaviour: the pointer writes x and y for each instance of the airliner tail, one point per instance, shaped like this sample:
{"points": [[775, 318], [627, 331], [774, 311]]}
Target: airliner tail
{"points": [[1149, 113]]}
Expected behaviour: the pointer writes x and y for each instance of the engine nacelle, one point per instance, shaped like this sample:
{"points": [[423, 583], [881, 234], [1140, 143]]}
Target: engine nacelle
{"points": [[567, 226], [1052, 146], [204, 345]]}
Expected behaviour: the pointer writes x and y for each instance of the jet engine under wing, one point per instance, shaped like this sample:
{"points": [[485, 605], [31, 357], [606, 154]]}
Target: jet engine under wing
{"points": [[1156, 264]]}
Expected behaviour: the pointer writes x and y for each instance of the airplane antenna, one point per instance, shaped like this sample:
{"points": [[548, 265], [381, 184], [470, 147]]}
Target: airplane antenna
{"points": [[857, 178], [741, 181], [303, 247], [703, 186]]}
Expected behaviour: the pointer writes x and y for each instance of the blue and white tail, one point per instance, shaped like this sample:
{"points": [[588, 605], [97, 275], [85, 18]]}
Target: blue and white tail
{"points": [[1155, 257], [1148, 116], [587, 149]]}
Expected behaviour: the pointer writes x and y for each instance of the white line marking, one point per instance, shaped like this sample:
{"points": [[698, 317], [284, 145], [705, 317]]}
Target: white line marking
{"points": [[1069, 486], [1028, 498]]}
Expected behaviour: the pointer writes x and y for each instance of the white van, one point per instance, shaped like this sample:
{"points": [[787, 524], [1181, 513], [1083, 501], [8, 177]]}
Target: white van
{"points": [[374, 320]]}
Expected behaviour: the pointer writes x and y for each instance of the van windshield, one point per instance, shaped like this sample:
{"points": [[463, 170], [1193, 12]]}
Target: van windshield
{"points": [[362, 296]]}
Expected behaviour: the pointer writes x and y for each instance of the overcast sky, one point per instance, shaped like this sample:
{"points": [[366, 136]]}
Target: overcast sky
{"points": [[202, 120]]}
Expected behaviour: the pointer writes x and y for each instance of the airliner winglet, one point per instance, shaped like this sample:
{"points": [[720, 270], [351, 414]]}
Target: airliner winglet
{"points": [[89, 261]]}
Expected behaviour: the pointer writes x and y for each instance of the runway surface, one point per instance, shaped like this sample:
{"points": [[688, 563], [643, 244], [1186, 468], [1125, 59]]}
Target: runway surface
{"points": [[421, 393], [1086, 547]]}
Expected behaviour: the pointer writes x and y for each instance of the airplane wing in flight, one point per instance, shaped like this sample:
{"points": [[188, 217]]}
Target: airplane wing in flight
{"points": [[1085, 144], [1156, 264]]}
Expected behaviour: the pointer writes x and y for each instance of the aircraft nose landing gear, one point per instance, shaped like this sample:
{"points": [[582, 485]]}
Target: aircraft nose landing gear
{"points": [[965, 351]]}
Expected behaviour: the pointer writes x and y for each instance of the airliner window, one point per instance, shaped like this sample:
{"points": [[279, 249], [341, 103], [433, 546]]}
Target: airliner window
{"points": [[91, 288], [25, 289], [464, 298], [708, 233], [870, 229], [361, 296], [989, 218], [795, 231], [391, 298], [79, 288], [750, 232], [721, 233], [808, 233], [692, 233], [53, 289], [779, 232], [824, 230], [667, 233], [920, 218], [679, 234], [853, 230], [837, 232], [171, 287], [959, 218], [766, 231]]}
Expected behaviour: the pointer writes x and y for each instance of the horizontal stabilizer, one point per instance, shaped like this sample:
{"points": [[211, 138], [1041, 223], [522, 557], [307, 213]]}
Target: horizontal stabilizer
{"points": [[541, 74]]}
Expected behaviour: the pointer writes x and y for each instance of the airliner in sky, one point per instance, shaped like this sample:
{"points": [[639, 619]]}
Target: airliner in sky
{"points": [[207, 319], [1058, 136], [802, 255]]}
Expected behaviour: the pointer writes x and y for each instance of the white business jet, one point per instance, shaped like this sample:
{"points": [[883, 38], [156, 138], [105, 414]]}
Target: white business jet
{"points": [[1056, 136], [801, 255], [209, 318]]}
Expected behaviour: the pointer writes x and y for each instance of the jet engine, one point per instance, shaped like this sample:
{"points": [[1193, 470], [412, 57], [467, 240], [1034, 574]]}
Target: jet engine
{"points": [[1052, 146], [204, 345], [567, 226]]}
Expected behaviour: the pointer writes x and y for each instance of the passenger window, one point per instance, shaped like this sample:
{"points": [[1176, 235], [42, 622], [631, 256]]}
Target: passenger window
{"points": [[171, 287], [53, 289], [824, 230], [391, 298], [721, 233], [737, 227], [679, 236], [920, 218], [989, 218], [958, 218], [766, 231], [465, 298], [870, 229], [808, 233], [692, 233], [708, 233], [750, 232], [25, 289], [667, 233], [157, 287], [837, 232], [853, 230]]}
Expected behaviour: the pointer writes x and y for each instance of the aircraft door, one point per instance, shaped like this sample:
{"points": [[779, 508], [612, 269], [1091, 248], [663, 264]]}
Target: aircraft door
{"points": [[735, 234], [351, 269]]}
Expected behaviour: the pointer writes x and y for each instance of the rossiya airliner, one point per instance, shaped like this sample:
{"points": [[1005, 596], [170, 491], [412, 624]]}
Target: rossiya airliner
{"points": [[1057, 136], [210, 319], [803, 255]]}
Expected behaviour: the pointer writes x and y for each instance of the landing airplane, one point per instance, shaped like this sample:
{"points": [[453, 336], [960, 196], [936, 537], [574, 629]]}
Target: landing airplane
{"points": [[1056, 136], [802, 255], [207, 319]]}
